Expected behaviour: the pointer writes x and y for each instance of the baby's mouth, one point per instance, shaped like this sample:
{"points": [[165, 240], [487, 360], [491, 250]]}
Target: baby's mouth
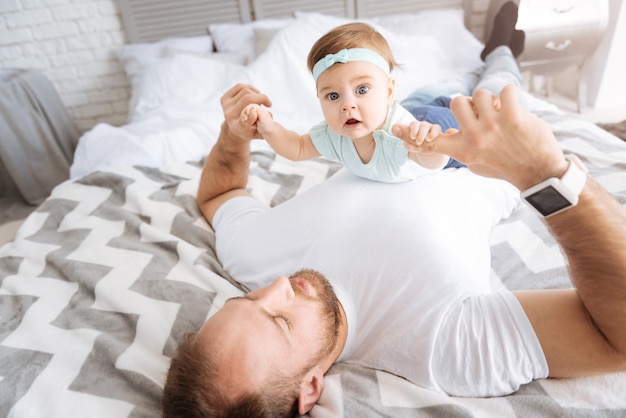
{"points": [[352, 122]]}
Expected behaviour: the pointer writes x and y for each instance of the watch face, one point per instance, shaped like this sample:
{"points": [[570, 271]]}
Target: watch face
{"points": [[548, 201]]}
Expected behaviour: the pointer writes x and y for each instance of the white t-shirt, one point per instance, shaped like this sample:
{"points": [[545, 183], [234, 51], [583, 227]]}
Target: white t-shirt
{"points": [[403, 259]]}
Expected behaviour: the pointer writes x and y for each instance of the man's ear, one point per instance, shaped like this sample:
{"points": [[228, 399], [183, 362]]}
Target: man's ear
{"points": [[310, 390], [391, 97]]}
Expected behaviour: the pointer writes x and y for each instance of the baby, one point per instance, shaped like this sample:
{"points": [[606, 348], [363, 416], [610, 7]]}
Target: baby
{"points": [[352, 66]]}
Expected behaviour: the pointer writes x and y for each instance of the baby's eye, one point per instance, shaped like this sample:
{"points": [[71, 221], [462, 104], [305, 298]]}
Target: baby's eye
{"points": [[332, 96], [362, 89]]}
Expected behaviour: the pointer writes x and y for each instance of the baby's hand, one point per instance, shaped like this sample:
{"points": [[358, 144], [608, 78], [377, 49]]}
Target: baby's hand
{"points": [[421, 133], [259, 116]]}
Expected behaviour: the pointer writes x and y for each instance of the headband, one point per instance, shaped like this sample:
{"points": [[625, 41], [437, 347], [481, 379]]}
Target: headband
{"points": [[347, 55]]}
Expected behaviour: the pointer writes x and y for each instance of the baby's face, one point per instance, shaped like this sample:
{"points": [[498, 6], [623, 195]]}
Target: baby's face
{"points": [[355, 97]]}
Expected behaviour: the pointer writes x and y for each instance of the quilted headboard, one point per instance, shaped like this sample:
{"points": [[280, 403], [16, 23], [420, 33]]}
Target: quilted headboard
{"points": [[151, 20]]}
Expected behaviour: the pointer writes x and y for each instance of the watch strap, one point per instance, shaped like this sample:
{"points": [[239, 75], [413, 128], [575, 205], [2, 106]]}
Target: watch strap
{"points": [[576, 175]]}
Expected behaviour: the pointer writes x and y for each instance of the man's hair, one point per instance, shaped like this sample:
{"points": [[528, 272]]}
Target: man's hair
{"points": [[351, 35], [193, 390]]}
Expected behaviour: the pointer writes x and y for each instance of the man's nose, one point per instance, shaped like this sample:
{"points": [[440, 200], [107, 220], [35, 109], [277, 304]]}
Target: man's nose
{"points": [[281, 292]]}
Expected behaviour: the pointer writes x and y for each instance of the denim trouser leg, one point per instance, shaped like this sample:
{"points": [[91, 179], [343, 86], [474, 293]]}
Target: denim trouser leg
{"points": [[462, 84], [501, 69]]}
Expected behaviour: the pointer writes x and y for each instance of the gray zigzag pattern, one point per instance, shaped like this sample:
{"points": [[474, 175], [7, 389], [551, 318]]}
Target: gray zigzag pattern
{"points": [[26, 364], [289, 183], [119, 329], [98, 374], [19, 368]]}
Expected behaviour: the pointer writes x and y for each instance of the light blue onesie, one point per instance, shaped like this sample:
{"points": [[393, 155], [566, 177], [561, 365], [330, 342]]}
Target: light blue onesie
{"points": [[390, 162]]}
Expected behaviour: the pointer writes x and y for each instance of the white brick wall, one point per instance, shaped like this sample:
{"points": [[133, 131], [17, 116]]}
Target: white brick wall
{"points": [[72, 43]]}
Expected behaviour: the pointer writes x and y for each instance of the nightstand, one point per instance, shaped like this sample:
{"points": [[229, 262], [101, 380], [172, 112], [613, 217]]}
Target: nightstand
{"points": [[561, 34]]}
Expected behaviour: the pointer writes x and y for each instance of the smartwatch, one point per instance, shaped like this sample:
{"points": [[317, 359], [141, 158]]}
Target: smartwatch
{"points": [[556, 195]]}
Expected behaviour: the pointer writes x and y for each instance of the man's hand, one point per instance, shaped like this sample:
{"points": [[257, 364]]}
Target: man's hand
{"points": [[225, 172], [499, 138], [234, 101]]}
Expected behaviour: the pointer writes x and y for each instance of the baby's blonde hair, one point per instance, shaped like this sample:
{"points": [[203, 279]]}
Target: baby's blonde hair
{"points": [[350, 35]]}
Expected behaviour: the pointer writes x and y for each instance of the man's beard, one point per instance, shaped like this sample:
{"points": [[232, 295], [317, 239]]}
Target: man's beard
{"points": [[330, 307]]}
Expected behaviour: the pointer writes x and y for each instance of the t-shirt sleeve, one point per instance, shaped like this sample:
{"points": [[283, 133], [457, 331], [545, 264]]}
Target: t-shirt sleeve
{"points": [[487, 347], [233, 215], [321, 136]]}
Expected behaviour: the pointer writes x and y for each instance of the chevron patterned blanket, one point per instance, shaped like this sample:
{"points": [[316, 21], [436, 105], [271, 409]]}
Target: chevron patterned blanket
{"points": [[109, 273]]}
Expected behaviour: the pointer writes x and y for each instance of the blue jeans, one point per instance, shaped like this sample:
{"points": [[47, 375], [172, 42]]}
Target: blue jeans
{"points": [[500, 69]]}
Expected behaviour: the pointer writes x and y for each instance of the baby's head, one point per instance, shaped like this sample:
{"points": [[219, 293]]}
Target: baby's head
{"points": [[351, 35], [352, 66]]}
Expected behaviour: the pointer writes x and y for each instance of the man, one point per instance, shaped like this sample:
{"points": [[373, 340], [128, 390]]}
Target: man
{"points": [[270, 349]]}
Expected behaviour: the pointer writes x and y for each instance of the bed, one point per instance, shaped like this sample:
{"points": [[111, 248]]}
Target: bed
{"points": [[110, 272]]}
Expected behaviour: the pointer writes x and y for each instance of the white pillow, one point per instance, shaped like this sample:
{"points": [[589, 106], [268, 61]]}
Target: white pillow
{"points": [[239, 37], [135, 58], [218, 56], [445, 25], [262, 38], [185, 79]]}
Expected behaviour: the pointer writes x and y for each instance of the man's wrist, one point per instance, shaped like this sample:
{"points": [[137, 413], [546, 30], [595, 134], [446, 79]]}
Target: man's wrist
{"points": [[557, 194], [541, 170], [232, 139], [227, 132]]}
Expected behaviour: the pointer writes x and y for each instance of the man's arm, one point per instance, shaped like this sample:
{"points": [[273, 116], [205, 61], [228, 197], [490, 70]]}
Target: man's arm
{"points": [[225, 172], [582, 331]]}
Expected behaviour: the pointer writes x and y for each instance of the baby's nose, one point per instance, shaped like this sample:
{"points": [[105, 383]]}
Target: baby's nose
{"points": [[348, 104]]}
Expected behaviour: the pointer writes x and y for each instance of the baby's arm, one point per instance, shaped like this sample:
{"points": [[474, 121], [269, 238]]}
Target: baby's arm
{"points": [[287, 143], [421, 132]]}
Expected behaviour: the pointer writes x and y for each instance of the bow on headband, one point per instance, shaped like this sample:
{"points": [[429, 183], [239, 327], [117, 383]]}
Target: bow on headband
{"points": [[348, 55]]}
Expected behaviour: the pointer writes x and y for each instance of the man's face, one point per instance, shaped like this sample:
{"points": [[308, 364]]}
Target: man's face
{"points": [[279, 329]]}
